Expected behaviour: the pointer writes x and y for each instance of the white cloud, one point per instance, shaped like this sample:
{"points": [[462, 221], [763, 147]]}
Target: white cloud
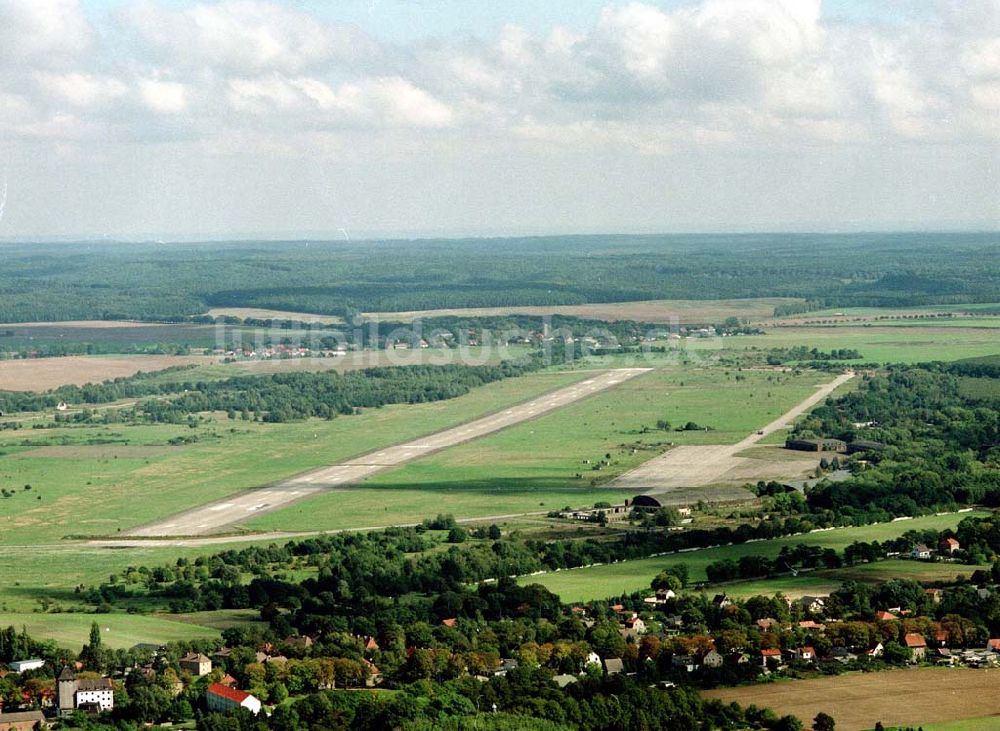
{"points": [[46, 32], [81, 90], [163, 97], [244, 35]]}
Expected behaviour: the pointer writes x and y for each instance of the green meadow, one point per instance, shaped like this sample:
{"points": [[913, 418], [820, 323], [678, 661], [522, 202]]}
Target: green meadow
{"points": [[534, 466], [99, 489], [597, 582], [118, 631], [880, 343]]}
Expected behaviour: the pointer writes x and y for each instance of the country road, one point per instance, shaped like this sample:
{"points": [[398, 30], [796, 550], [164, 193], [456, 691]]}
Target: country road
{"points": [[215, 516], [690, 466]]}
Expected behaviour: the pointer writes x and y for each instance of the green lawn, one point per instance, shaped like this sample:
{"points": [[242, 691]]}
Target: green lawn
{"points": [[598, 582], [533, 466], [117, 630]]}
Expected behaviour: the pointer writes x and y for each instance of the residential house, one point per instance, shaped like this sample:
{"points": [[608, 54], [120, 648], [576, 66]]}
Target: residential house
{"points": [[917, 644], [934, 594], [770, 658], [370, 643], [450, 622], [813, 604], [884, 616], [941, 638], [875, 650], [948, 546], [196, 664], [636, 625], [842, 654], [993, 645], [712, 659], [22, 721], [721, 601], [804, 654], [684, 662], [767, 624], [920, 551], [661, 597], [223, 699], [593, 659], [613, 665], [373, 676], [810, 624]]}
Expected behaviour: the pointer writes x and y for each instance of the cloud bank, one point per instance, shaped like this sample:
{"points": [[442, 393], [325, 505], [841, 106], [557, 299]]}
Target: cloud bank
{"points": [[707, 78]]}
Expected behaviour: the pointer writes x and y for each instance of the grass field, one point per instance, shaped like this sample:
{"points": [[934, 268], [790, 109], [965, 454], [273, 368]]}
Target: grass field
{"points": [[598, 582], [117, 630], [917, 697], [824, 582], [43, 374], [533, 466], [879, 344], [98, 495]]}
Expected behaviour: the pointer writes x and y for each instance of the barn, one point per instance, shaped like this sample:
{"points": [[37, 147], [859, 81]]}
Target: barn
{"points": [[816, 445]]}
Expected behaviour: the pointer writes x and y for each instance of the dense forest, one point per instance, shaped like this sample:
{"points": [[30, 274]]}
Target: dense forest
{"points": [[43, 281], [941, 446]]}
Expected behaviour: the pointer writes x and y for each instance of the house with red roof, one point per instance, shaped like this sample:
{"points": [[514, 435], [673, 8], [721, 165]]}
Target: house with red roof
{"points": [[917, 644], [770, 658], [948, 546], [223, 699]]}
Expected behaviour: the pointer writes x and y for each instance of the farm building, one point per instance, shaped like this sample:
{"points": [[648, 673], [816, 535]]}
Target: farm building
{"points": [[222, 698], [816, 445], [20, 666]]}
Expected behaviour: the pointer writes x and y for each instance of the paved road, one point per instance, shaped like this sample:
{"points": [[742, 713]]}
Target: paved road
{"points": [[211, 518], [690, 466]]}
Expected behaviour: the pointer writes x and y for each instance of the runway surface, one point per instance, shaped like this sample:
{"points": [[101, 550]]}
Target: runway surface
{"points": [[216, 516]]}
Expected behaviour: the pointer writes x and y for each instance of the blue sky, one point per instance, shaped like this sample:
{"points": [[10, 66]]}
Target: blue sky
{"points": [[206, 118]]}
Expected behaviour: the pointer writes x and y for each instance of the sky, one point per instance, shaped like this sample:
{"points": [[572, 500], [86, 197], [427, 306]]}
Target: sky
{"points": [[188, 119]]}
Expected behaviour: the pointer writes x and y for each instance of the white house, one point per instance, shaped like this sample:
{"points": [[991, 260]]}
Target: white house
{"points": [[96, 693], [223, 699], [20, 666]]}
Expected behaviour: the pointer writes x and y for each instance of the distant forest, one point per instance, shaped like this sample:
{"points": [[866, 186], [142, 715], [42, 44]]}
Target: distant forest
{"points": [[47, 281]]}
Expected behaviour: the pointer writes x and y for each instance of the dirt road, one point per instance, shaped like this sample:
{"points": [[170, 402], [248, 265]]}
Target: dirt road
{"points": [[211, 518], [706, 465]]}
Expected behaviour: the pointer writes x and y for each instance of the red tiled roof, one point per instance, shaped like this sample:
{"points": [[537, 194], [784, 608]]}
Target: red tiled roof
{"points": [[772, 652], [885, 616], [914, 639], [224, 691], [950, 541], [451, 622], [807, 651], [993, 645]]}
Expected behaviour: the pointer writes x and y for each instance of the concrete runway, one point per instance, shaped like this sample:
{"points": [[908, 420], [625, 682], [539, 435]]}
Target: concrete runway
{"points": [[214, 517], [697, 466]]}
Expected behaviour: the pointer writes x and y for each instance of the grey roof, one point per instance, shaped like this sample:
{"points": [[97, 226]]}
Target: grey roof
{"points": [[67, 673], [94, 684], [22, 716]]}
